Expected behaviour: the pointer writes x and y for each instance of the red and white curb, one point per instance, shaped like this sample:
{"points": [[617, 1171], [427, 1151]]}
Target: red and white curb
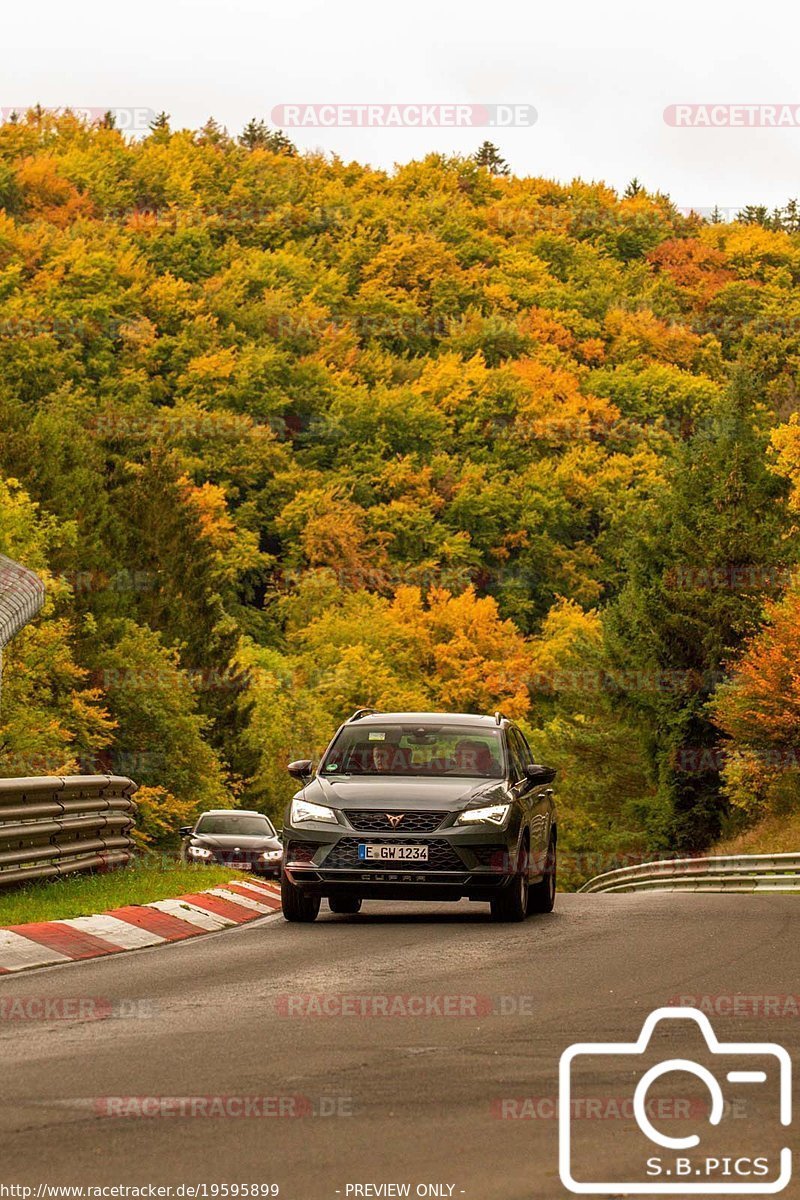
{"points": [[137, 925]]}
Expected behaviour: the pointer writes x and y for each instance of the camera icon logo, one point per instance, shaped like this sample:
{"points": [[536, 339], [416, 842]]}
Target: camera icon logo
{"points": [[660, 1164]]}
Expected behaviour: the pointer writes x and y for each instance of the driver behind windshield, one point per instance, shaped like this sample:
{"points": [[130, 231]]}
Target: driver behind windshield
{"points": [[415, 752]]}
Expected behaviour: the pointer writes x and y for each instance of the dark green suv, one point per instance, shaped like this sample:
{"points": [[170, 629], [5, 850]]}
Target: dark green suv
{"points": [[421, 806]]}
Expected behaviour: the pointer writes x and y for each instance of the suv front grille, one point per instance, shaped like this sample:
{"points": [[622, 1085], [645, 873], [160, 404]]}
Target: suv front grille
{"points": [[441, 857], [377, 821]]}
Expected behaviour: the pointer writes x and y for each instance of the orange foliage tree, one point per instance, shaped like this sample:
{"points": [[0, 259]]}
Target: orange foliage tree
{"points": [[759, 710]]}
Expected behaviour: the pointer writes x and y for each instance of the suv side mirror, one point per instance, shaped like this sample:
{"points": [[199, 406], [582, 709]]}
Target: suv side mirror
{"points": [[300, 769], [185, 830], [537, 773]]}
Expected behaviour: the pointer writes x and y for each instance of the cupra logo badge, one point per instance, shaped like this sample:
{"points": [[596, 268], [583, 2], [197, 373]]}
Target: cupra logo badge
{"points": [[394, 819]]}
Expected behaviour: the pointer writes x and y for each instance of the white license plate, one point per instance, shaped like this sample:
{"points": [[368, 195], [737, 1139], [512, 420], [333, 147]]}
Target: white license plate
{"points": [[391, 853]]}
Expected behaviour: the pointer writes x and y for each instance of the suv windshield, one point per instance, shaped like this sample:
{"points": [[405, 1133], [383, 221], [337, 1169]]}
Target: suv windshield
{"points": [[240, 825], [424, 750]]}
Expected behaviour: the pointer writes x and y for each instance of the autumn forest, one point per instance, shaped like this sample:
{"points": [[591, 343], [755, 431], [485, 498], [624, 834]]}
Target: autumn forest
{"points": [[287, 435]]}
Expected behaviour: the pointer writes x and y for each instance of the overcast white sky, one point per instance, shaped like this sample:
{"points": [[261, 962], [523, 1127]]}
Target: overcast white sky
{"points": [[599, 74]]}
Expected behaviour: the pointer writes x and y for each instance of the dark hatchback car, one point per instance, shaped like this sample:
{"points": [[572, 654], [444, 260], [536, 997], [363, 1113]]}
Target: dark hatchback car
{"points": [[234, 838], [421, 806]]}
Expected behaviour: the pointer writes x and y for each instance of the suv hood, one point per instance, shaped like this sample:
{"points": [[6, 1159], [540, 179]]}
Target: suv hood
{"points": [[372, 791]]}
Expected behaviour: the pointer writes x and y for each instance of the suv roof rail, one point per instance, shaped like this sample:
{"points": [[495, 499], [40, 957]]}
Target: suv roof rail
{"points": [[499, 718], [362, 712]]}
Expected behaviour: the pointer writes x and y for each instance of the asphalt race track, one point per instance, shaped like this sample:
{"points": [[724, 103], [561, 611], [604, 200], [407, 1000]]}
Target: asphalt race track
{"points": [[416, 1099]]}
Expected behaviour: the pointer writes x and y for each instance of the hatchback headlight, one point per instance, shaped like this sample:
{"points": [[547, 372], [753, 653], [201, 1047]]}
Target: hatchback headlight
{"points": [[200, 852], [492, 814], [271, 855], [304, 810]]}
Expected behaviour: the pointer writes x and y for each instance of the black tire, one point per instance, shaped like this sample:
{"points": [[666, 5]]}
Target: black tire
{"points": [[542, 896], [511, 904], [344, 905], [297, 905]]}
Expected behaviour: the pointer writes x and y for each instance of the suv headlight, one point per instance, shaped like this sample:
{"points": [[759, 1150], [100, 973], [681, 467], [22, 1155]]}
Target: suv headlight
{"points": [[492, 814], [200, 852], [304, 810]]}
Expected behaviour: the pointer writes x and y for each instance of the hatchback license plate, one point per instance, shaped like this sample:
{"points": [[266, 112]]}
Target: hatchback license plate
{"points": [[390, 853]]}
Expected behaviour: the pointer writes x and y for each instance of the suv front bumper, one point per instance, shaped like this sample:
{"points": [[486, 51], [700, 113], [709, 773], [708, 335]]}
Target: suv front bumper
{"points": [[471, 862]]}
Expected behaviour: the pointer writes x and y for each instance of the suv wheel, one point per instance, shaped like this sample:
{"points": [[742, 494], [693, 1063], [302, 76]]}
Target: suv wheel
{"points": [[511, 904], [344, 904], [542, 896], [297, 906]]}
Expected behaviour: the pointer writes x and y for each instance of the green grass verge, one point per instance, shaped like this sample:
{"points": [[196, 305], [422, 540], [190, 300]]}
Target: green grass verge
{"points": [[83, 895]]}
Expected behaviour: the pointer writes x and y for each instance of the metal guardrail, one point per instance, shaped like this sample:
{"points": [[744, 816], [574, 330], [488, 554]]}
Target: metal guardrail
{"points": [[21, 596], [53, 825], [722, 873]]}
